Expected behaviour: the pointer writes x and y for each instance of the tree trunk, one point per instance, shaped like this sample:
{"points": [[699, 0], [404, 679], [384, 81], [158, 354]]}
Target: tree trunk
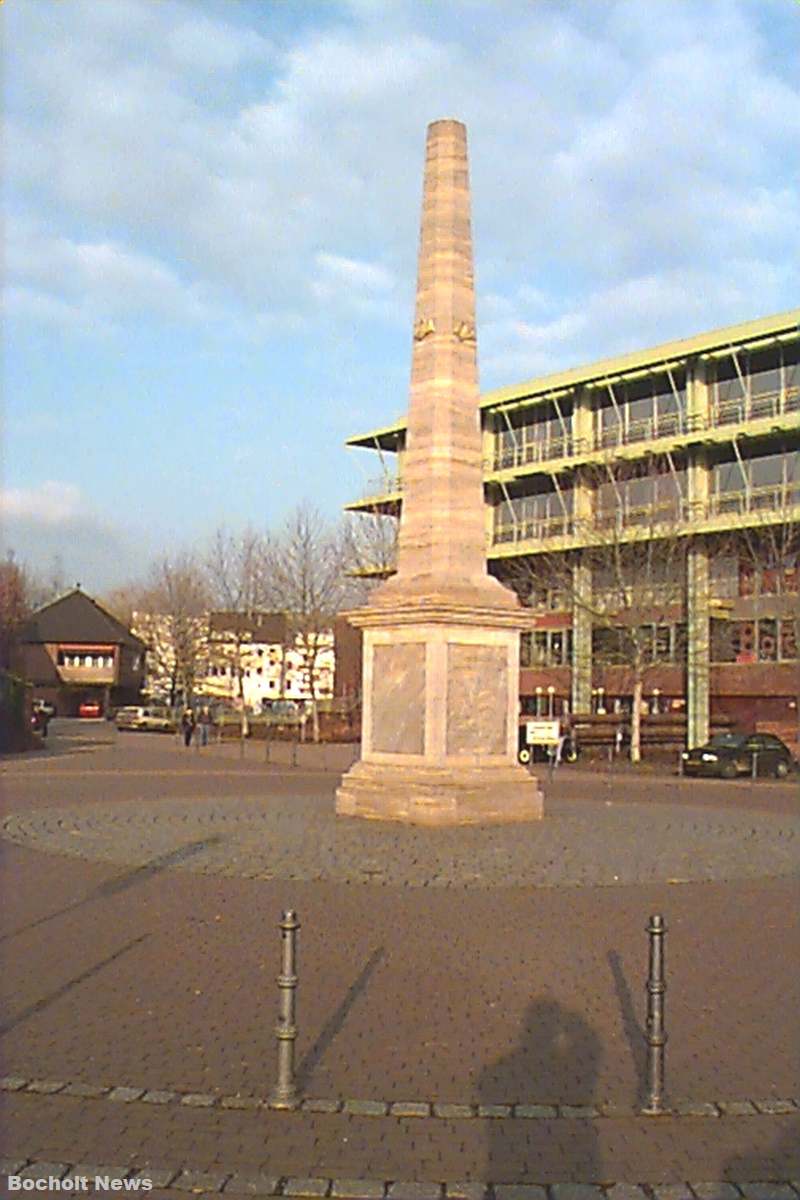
{"points": [[245, 725], [636, 722]]}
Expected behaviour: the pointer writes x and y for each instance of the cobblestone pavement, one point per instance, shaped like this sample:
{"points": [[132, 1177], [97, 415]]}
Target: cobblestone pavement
{"points": [[299, 837], [139, 971]]}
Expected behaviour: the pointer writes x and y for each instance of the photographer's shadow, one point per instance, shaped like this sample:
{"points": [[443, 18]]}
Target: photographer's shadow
{"points": [[555, 1062]]}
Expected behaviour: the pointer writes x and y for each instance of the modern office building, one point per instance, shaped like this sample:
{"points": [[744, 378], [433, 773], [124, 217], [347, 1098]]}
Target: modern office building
{"points": [[647, 508]]}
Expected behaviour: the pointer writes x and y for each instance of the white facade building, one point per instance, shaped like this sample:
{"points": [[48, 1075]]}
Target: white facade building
{"points": [[270, 671]]}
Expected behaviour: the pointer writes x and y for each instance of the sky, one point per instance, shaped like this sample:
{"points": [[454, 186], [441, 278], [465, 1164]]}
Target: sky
{"points": [[211, 220]]}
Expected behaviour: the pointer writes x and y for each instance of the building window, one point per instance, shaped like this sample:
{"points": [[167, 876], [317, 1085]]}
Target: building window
{"points": [[546, 648], [767, 640]]}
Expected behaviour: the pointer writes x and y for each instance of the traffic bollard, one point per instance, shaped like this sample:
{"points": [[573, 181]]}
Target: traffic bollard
{"points": [[655, 1034], [284, 1094]]}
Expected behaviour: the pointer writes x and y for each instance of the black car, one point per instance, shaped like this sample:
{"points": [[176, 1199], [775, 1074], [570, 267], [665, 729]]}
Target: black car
{"points": [[730, 754]]}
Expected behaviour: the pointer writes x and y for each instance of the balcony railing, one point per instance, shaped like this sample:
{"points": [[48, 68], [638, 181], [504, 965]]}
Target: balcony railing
{"points": [[754, 408], [660, 519], [533, 452], [648, 429], [772, 498], [381, 485], [533, 529]]}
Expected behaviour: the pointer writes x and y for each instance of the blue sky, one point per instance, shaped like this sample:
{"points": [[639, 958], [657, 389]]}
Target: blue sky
{"points": [[212, 216]]}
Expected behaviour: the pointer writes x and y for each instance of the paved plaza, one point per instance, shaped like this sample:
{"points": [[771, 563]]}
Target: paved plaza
{"points": [[471, 1001]]}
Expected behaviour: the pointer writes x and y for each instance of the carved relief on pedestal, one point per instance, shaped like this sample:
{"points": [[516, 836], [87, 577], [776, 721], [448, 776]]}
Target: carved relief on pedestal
{"points": [[464, 331], [477, 699], [398, 698]]}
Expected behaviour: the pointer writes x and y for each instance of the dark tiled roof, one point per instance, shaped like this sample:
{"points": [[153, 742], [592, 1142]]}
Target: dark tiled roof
{"points": [[267, 628], [76, 618]]}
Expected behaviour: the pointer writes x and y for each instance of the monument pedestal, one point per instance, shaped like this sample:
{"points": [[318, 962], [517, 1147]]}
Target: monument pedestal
{"points": [[439, 736]]}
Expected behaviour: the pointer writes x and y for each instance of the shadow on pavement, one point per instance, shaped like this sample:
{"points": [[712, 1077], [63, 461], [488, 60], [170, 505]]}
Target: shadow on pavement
{"points": [[314, 1055], [634, 1031], [39, 1005], [121, 883], [555, 1061]]}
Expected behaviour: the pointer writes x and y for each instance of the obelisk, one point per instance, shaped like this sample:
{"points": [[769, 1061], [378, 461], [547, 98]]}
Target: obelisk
{"points": [[441, 637]]}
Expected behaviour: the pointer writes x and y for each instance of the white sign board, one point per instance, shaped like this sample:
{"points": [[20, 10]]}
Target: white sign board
{"points": [[542, 733]]}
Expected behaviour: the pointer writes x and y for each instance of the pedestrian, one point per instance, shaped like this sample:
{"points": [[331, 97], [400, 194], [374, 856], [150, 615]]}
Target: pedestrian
{"points": [[187, 725], [204, 723]]}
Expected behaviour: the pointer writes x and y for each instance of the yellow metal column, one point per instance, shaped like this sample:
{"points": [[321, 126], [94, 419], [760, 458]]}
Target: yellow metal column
{"points": [[582, 637], [583, 437], [698, 622], [698, 645]]}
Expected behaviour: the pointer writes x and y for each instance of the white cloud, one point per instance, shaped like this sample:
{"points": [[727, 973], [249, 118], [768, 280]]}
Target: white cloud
{"points": [[205, 45], [368, 277], [50, 503], [606, 148], [522, 342], [83, 283], [54, 522]]}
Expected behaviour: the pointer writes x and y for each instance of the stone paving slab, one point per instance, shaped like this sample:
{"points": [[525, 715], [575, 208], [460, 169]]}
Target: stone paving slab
{"points": [[641, 1149], [172, 1180], [182, 1180]]}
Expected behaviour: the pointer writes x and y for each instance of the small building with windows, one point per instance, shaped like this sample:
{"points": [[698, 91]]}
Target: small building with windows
{"points": [[73, 652]]}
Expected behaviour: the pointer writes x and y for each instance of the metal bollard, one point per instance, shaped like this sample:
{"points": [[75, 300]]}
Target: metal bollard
{"points": [[655, 1035], [284, 1094]]}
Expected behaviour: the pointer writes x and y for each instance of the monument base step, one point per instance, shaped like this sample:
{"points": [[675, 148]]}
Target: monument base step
{"points": [[469, 795]]}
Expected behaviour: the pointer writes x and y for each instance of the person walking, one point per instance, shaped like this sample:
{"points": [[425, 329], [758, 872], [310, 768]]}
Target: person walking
{"points": [[187, 725], [204, 724]]}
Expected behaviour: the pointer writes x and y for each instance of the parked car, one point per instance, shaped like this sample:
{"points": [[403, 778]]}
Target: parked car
{"points": [[90, 708], [150, 719], [728, 755], [45, 706]]}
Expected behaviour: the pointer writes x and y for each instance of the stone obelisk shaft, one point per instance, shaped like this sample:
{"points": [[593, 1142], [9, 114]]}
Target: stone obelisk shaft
{"points": [[442, 542]]}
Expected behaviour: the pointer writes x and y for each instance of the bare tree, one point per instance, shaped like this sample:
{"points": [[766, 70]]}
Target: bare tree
{"points": [[305, 579], [17, 601], [235, 574], [768, 555], [171, 620], [627, 582], [122, 602], [369, 547]]}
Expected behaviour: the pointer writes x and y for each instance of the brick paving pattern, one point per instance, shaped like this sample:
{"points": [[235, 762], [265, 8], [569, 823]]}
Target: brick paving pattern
{"points": [[147, 974]]}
